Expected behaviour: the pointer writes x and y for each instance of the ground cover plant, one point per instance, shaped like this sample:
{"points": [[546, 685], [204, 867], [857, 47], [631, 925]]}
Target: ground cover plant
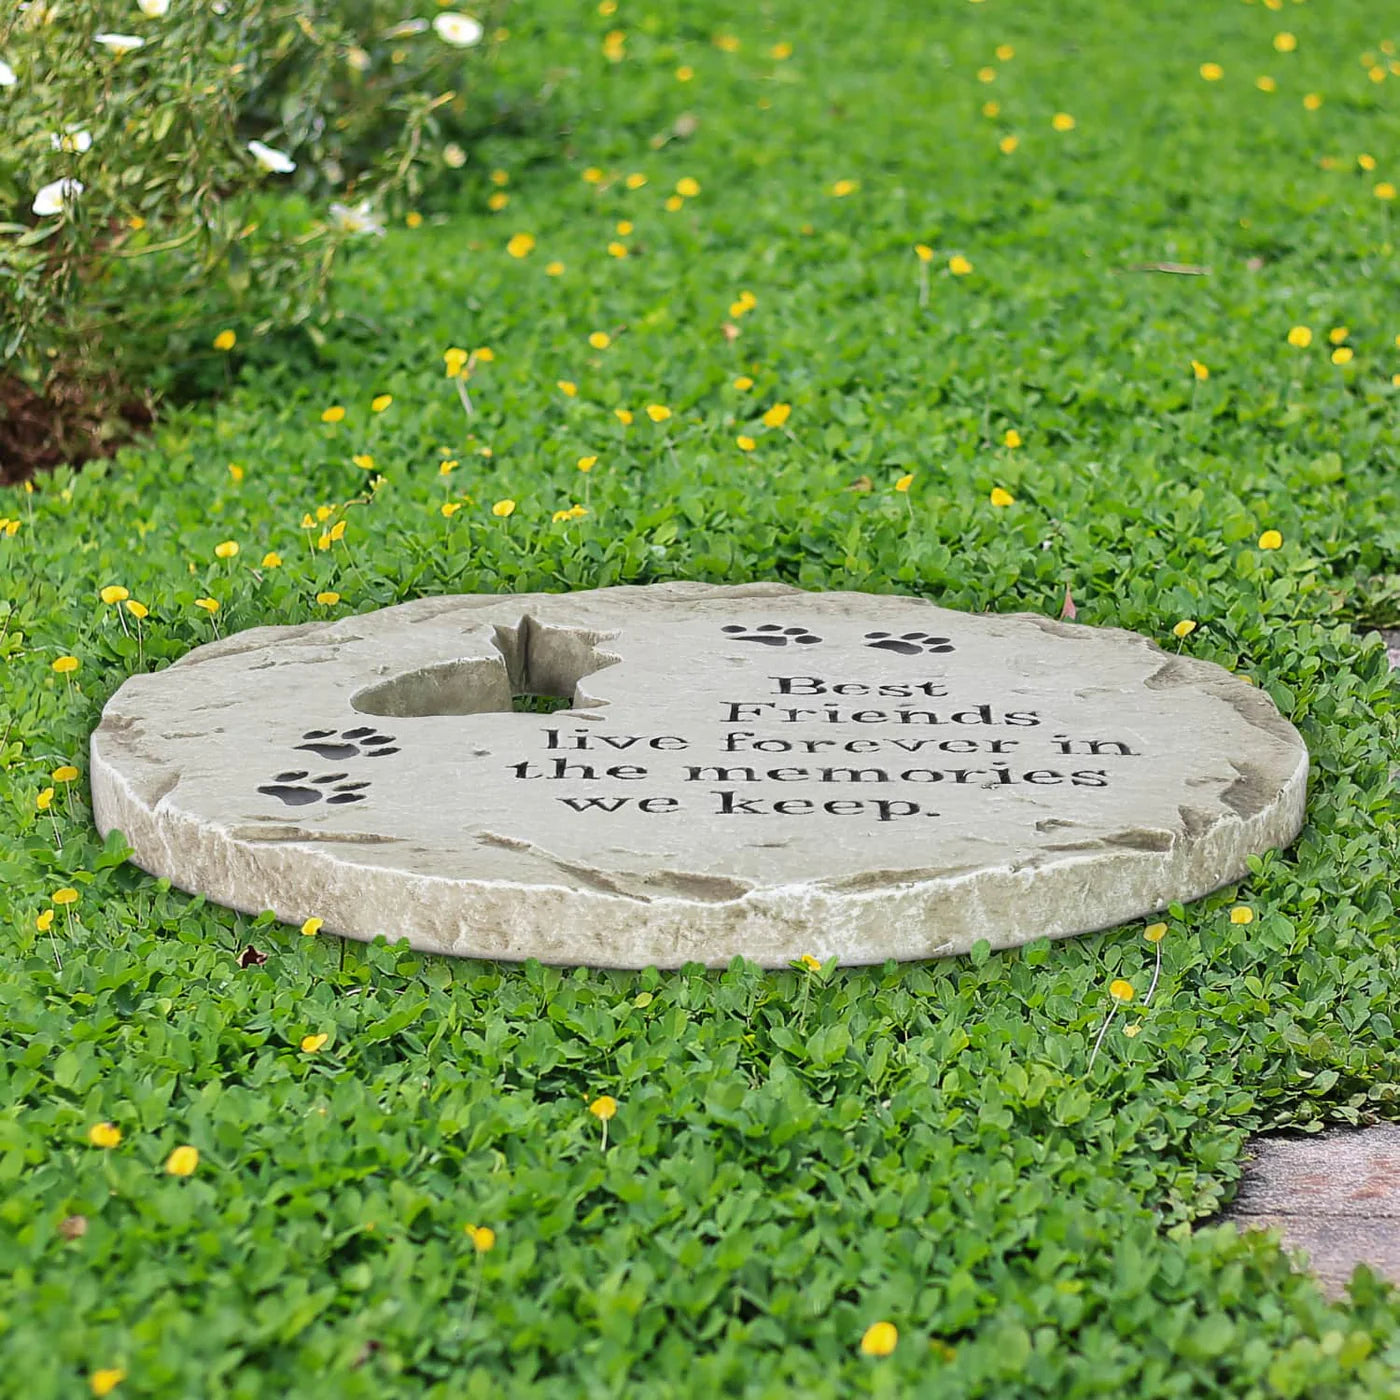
{"points": [[1005, 306]]}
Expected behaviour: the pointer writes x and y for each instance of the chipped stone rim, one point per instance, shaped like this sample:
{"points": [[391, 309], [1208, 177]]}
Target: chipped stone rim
{"points": [[899, 915]]}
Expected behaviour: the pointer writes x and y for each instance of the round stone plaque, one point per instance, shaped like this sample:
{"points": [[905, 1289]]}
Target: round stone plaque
{"points": [[684, 772]]}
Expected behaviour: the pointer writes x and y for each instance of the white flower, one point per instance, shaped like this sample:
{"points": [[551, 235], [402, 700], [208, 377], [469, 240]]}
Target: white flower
{"points": [[52, 198], [461, 31], [153, 9], [358, 59], [7, 75], [73, 139], [360, 219], [407, 27], [119, 43], [278, 162]]}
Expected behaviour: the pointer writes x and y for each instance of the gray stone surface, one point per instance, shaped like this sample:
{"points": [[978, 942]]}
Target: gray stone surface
{"points": [[1334, 1197], [751, 770]]}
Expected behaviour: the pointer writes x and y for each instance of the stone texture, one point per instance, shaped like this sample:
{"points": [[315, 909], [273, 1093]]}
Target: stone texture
{"points": [[1334, 1197], [747, 770]]}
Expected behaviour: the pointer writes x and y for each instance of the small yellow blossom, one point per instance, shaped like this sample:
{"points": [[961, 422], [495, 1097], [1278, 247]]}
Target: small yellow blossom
{"points": [[1005, 53], [44, 800], [104, 1135], [1384, 190], [959, 265], [904, 482], [1367, 163], [1062, 121], [593, 175], [684, 73], [1312, 101], [986, 75], [106, 1380], [413, 219], [781, 51], [1242, 914], [364, 461], [66, 665], [1121, 990], [182, 1161], [624, 227], [600, 340], [554, 269], [450, 508], [380, 402], [586, 464], [1212, 72], [1265, 83], [776, 416], [1132, 1031], [455, 359], [226, 550], [483, 1238], [66, 895], [991, 110], [225, 340], [235, 471], [328, 599], [520, 244], [635, 181], [310, 1044], [114, 593], [923, 252], [810, 963], [1270, 539], [1155, 933], [746, 443], [688, 186], [743, 383], [617, 250], [333, 414], [503, 508], [64, 774], [1011, 438], [1343, 355], [568, 388], [272, 560], [137, 610], [1300, 337], [497, 200], [1199, 370], [624, 416], [1285, 42], [1338, 334], [879, 1339], [603, 1107], [844, 187], [674, 203], [1008, 144], [312, 927], [658, 412], [727, 43], [1001, 497], [45, 921], [1184, 628]]}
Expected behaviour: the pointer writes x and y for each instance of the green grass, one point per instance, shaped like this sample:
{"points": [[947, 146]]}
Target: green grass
{"points": [[796, 1155]]}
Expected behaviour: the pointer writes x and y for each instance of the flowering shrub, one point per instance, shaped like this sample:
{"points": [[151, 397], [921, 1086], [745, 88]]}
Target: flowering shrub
{"points": [[148, 142]]}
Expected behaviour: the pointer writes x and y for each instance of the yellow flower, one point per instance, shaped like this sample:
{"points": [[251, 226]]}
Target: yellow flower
{"points": [[603, 1107], [312, 927], [456, 360], [182, 1161], [1199, 370], [991, 109], [328, 599], [272, 560], [684, 73], [844, 187], [1008, 144], [1312, 101], [1131, 1031], [520, 244], [674, 203], [1001, 497], [1005, 53], [1385, 190], [235, 471], [114, 593], [503, 508], [568, 388], [44, 799], [986, 75], [586, 464], [137, 610], [880, 1339], [624, 416], [1300, 337], [1270, 539], [1367, 163], [497, 201], [312, 1043], [1011, 438], [562, 515], [364, 461], [810, 963], [1155, 933], [743, 383], [106, 1380], [485, 354], [776, 416], [1212, 72], [226, 550], [658, 412], [483, 1238], [413, 219], [635, 181], [554, 269], [1242, 914], [337, 531], [687, 186], [781, 51], [746, 443], [104, 1135], [624, 227], [65, 774], [380, 402], [66, 665], [1285, 42], [923, 252], [1343, 355], [600, 340], [959, 265], [617, 250], [66, 895], [45, 921], [1338, 334], [726, 42], [1121, 990], [576, 511], [1265, 83], [1184, 628], [904, 482], [1062, 121], [450, 508], [593, 175], [225, 340]]}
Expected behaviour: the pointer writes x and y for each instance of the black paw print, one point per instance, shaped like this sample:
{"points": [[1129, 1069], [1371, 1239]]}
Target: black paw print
{"points": [[772, 634], [297, 789], [364, 742], [908, 643]]}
